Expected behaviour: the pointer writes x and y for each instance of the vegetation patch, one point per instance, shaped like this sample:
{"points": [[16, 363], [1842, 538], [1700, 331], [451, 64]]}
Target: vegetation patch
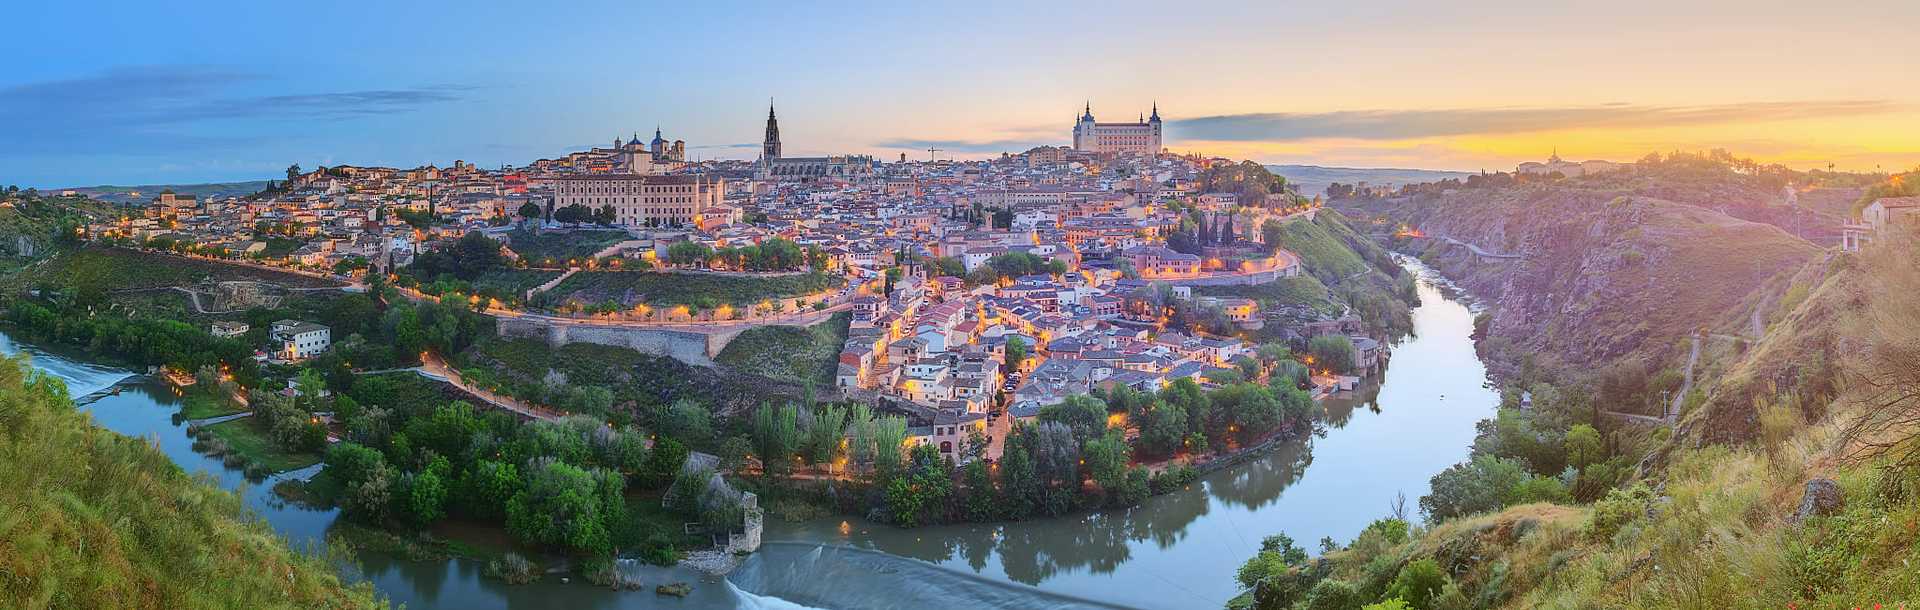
{"points": [[695, 290], [795, 354], [558, 248], [243, 438], [99, 520]]}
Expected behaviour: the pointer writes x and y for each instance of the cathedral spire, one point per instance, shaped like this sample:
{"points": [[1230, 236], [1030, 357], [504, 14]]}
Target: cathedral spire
{"points": [[770, 147], [1156, 111]]}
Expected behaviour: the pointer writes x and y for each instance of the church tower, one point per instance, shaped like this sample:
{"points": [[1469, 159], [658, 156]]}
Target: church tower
{"points": [[770, 149]]}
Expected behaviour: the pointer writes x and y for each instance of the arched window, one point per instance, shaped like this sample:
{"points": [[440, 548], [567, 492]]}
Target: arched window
{"points": [[946, 446]]}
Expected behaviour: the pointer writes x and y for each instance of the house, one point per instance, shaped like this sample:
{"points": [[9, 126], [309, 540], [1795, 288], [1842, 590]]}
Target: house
{"points": [[298, 340], [227, 330]]}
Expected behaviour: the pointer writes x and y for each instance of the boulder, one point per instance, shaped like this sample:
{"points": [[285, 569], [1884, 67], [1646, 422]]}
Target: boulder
{"points": [[1822, 498]]}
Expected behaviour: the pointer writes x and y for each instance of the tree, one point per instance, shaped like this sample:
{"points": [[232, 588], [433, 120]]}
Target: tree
{"points": [[688, 421], [1274, 575], [1583, 446], [531, 211], [1085, 414], [828, 427], [1477, 486], [977, 501], [486, 488], [920, 495], [561, 505], [687, 253], [1016, 352], [426, 499], [293, 171], [733, 452], [775, 434], [1163, 429], [1332, 352]]}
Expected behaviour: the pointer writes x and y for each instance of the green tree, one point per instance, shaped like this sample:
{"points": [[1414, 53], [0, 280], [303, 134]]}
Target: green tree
{"points": [[1083, 413], [560, 506], [426, 499], [531, 211], [1583, 446], [1332, 352], [775, 435], [486, 488], [921, 494]]}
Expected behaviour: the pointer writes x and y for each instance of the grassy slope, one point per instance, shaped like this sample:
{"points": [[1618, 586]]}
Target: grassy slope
{"points": [[120, 269], [665, 289], [92, 519], [790, 353], [1713, 531], [560, 247]]}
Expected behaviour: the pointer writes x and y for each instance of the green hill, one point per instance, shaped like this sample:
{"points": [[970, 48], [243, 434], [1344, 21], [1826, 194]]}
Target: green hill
{"points": [[92, 519]]}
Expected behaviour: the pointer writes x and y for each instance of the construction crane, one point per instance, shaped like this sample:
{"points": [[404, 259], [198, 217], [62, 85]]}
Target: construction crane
{"points": [[931, 151]]}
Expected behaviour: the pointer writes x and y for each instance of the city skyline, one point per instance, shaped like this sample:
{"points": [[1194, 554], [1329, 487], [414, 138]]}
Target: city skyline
{"points": [[147, 94]]}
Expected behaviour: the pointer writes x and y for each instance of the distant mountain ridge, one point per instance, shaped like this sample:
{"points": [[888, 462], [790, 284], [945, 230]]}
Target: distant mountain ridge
{"points": [[125, 194], [1313, 179]]}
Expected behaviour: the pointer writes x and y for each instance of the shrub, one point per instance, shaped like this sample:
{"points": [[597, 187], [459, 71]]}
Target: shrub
{"points": [[512, 568], [1419, 583], [1620, 507]]}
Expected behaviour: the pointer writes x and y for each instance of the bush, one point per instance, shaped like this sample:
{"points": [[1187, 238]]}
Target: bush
{"points": [[1620, 507], [512, 568], [1419, 583]]}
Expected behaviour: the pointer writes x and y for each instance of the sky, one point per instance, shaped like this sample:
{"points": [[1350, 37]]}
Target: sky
{"points": [[147, 93]]}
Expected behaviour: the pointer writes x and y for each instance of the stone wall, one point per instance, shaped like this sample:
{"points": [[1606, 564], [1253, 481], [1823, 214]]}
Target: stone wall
{"points": [[689, 346]]}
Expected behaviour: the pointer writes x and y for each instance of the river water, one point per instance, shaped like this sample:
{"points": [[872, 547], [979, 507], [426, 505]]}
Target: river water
{"points": [[1178, 550]]}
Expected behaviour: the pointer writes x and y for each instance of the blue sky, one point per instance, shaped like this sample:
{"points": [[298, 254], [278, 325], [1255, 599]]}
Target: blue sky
{"points": [[138, 92]]}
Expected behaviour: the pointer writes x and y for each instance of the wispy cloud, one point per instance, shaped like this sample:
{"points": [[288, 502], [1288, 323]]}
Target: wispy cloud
{"points": [[1408, 124], [965, 146], [148, 108]]}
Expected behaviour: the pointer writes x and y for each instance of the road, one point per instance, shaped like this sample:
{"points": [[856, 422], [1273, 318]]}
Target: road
{"points": [[1478, 250], [1686, 384], [435, 368]]}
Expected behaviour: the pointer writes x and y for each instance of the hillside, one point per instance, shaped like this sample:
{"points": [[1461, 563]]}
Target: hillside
{"points": [[1597, 276], [1783, 487], [146, 192], [92, 519]]}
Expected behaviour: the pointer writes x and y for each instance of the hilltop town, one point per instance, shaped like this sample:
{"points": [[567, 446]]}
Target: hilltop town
{"points": [[967, 290]]}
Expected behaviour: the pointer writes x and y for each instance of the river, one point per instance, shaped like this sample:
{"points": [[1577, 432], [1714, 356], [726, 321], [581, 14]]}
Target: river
{"points": [[1178, 550]]}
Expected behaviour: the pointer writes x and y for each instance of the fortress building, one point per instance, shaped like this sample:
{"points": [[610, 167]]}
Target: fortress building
{"points": [[1108, 138]]}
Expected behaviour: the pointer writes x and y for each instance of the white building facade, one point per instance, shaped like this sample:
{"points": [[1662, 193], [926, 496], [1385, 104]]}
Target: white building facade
{"points": [[1115, 138]]}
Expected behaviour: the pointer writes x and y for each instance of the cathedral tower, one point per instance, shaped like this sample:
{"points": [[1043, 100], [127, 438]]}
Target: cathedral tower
{"points": [[770, 149]]}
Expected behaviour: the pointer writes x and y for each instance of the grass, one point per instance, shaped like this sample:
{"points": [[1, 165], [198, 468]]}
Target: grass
{"points": [[1322, 251], [1302, 290], [538, 249], [94, 519], [692, 289], [107, 269], [246, 439], [514, 281], [794, 354], [201, 404], [281, 246]]}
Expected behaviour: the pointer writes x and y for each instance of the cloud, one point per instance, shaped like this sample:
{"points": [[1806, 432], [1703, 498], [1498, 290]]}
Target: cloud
{"points": [[965, 146], [1408, 124], [148, 109]]}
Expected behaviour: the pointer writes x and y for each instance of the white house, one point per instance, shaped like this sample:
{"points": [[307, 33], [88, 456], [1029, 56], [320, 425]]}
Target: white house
{"points": [[300, 340]]}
